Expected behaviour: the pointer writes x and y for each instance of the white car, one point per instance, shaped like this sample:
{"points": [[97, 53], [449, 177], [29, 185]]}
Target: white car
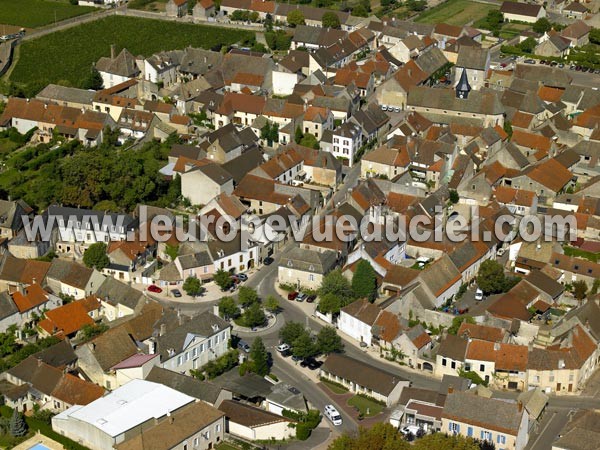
{"points": [[410, 429], [283, 348], [478, 295], [332, 414], [500, 251]]}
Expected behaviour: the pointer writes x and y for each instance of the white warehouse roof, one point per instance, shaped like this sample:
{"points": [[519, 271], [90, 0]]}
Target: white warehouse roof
{"points": [[128, 406]]}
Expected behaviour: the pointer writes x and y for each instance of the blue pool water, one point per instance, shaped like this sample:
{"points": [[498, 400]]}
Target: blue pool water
{"points": [[39, 447]]}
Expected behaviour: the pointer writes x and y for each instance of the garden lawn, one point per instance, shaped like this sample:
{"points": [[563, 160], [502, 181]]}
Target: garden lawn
{"points": [[67, 56], [37, 13], [363, 404], [455, 12], [574, 251], [334, 387], [225, 446]]}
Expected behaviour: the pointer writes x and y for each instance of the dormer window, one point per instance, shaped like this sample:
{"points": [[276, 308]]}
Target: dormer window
{"points": [[289, 263]]}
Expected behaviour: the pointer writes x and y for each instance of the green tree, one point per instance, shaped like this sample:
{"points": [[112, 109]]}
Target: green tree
{"points": [[228, 308], [254, 316], [330, 303], [95, 256], [295, 17], [337, 284], [223, 279], [17, 426], [528, 45], [193, 286], [490, 278], [172, 251], [364, 281], [309, 140], [580, 289], [330, 20], [595, 287], [453, 197], [304, 346], [270, 132], [595, 36], [542, 25], [90, 331], [94, 80], [457, 322], [259, 357], [328, 341], [247, 296], [508, 128], [298, 135], [291, 331], [272, 304], [268, 23]]}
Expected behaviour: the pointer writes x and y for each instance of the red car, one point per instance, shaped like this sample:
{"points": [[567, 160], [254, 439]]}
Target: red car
{"points": [[292, 295], [153, 288]]}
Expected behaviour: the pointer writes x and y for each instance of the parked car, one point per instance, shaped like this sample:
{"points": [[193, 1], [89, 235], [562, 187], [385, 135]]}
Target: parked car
{"points": [[268, 261], [311, 363], [311, 298], [332, 414], [176, 293], [243, 345], [283, 348], [410, 429], [292, 295], [500, 251], [241, 276], [301, 297], [529, 61], [478, 295], [296, 358], [154, 288]]}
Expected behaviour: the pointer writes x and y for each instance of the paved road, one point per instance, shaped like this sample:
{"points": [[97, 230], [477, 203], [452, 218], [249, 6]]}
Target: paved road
{"points": [[549, 428]]}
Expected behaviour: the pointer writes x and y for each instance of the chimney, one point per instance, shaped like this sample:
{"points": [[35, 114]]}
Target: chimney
{"points": [[450, 389], [520, 405], [112, 51]]}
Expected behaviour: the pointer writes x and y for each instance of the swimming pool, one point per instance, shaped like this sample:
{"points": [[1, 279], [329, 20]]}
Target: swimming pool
{"points": [[39, 447]]}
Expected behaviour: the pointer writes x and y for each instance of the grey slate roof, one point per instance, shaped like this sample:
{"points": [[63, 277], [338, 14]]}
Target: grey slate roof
{"points": [[59, 355], [309, 260], [205, 391], [193, 260], [115, 292], [472, 57], [489, 413], [7, 306], [123, 65], [478, 102], [66, 94], [200, 325]]}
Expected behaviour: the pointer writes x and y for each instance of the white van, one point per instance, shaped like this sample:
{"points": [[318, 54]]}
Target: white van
{"points": [[332, 414]]}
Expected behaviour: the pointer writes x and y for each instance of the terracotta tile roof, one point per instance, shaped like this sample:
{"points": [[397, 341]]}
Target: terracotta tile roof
{"points": [[34, 296], [388, 325], [182, 163], [262, 6], [503, 135], [421, 340], [233, 102], [180, 2], [551, 174], [131, 249], [180, 120], [590, 118], [75, 391], [578, 266], [531, 140], [248, 79], [259, 188], [316, 114], [344, 77], [410, 75], [522, 119], [480, 350], [363, 310], [206, 3], [249, 416], [508, 195], [482, 332], [512, 357], [576, 30], [400, 202], [447, 30], [550, 94], [69, 318]]}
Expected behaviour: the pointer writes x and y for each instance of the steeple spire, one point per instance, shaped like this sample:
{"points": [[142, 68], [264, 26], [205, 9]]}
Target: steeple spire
{"points": [[463, 88]]}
